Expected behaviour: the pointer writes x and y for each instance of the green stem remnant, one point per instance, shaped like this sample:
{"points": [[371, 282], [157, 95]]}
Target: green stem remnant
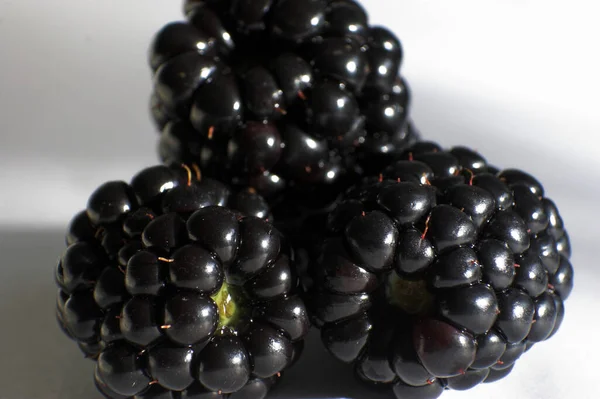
{"points": [[226, 305], [408, 295]]}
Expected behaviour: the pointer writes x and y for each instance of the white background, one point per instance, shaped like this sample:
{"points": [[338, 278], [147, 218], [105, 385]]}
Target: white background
{"points": [[516, 79]]}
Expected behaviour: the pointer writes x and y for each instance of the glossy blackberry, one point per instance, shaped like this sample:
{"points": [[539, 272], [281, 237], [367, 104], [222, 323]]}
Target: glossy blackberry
{"points": [[440, 272], [279, 94], [195, 293]]}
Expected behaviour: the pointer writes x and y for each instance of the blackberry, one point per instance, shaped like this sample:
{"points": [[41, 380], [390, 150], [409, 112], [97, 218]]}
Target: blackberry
{"points": [[440, 272], [280, 94], [179, 287]]}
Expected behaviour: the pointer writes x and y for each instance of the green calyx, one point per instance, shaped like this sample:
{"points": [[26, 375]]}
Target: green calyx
{"points": [[226, 305], [412, 297]]}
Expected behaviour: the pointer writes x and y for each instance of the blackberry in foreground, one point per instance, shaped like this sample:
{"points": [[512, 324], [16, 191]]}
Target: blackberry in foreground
{"points": [[440, 273], [180, 288], [280, 94]]}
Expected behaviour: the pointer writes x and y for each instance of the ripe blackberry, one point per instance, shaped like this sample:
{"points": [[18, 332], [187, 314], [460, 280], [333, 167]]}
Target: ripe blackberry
{"points": [[440, 272], [180, 288], [276, 94]]}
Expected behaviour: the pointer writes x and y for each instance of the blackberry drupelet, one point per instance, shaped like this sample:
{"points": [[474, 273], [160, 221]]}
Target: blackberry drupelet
{"points": [[180, 288], [276, 94], [440, 273]]}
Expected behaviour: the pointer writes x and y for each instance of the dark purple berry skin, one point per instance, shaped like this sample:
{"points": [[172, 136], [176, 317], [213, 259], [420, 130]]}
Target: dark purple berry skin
{"points": [[118, 367], [563, 245], [249, 14], [110, 331], [341, 275], [302, 153], [562, 280], [507, 226], [556, 226], [470, 379], [560, 314], [81, 316], [178, 38], [409, 171], [158, 112], [371, 239], [224, 365], [470, 159], [496, 375], [385, 56], [516, 314], [453, 272], [429, 391], [176, 81], [443, 164], [256, 147], [490, 348], [514, 177], [262, 95], [110, 288], [511, 354], [204, 19], [217, 105], [347, 19], [450, 228], [260, 248], [110, 202], [80, 229], [474, 307], [530, 208], [138, 321], [195, 268], [502, 194], [333, 110], [104, 389], [546, 315], [388, 113], [343, 60], [294, 75], [271, 350], [346, 339], [406, 363], [250, 203], [380, 149], [135, 223], [546, 247], [289, 315], [415, 252], [374, 363], [475, 202], [442, 349], [171, 366], [314, 64], [192, 318], [457, 268], [296, 20], [80, 265], [184, 200], [497, 263], [226, 243], [531, 276], [144, 274], [179, 287], [165, 232]]}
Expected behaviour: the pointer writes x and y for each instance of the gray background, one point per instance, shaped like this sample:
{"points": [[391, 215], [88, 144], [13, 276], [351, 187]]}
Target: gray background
{"points": [[515, 79]]}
